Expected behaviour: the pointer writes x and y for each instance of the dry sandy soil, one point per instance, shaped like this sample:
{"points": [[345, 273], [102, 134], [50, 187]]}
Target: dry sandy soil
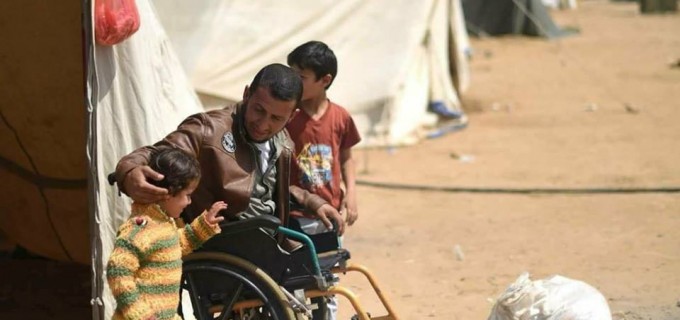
{"points": [[594, 110]]}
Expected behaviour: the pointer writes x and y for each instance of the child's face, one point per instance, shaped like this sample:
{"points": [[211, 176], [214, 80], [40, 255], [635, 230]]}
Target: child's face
{"points": [[312, 87], [174, 205]]}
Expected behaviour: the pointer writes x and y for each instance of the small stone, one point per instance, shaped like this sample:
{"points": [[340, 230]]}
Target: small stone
{"points": [[630, 108], [675, 63], [592, 107], [458, 251]]}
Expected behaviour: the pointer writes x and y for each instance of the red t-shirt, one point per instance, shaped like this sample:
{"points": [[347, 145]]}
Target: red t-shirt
{"points": [[317, 151]]}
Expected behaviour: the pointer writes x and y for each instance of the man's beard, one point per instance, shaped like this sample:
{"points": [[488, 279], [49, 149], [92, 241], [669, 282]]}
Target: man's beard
{"points": [[251, 139], [245, 125]]}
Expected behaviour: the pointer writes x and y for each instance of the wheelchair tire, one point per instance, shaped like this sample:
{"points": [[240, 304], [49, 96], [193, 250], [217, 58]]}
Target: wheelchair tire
{"points": [[250, 280]]}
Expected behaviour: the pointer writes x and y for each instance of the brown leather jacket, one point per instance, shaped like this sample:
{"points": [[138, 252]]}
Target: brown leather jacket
{"points": [[217, 139]]}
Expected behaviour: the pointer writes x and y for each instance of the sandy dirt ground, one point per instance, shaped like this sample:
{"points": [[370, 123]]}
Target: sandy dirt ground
{"points": [[595, 110]]}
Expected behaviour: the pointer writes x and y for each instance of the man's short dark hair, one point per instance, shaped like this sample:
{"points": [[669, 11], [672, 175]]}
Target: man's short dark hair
{"points": [[283, 83], [315, 56], [178, 167]]}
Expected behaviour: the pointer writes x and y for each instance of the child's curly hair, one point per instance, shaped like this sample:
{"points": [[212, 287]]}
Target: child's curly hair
{"points": [[178, 167]]}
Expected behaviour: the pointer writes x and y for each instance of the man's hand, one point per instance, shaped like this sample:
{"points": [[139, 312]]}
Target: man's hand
{"points": [[327, 212], [137, 187], [211, 217]]}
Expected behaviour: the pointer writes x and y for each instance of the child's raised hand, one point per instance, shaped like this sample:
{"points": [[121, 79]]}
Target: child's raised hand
{"points": [[211, 217]]}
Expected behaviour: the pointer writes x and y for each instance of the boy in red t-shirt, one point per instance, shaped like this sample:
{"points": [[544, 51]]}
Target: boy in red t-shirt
{"points": [[324, 134]]}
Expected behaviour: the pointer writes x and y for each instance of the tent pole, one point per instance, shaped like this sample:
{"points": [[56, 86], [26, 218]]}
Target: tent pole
{"points": [[93, 180]]}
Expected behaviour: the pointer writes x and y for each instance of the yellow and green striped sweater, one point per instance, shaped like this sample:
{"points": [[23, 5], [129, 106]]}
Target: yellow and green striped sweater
{"points": [[145, 268]]}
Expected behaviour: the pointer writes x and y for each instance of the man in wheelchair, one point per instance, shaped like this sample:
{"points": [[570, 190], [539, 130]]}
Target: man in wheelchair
{"points": [[252, 270], [245, 155]]}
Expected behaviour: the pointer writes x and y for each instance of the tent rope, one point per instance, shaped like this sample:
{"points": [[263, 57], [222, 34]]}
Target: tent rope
{"points": [[41, 180]]}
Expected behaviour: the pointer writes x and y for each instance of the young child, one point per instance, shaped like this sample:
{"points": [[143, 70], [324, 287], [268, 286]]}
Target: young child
{"points": [[145, 269], [324, 134]]}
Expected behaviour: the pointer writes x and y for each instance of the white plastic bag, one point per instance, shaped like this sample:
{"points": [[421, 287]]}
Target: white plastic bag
{"points": [[553, 298]]}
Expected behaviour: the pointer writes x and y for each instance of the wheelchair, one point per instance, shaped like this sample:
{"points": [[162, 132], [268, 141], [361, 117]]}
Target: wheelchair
{"points": [[243, 273]]}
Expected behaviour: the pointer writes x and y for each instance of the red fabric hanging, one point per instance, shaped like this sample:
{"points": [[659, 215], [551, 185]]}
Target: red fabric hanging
{"points": [[115, 20]]}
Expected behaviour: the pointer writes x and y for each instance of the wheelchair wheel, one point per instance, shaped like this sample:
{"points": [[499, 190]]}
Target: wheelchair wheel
{"points": [[219, 282]]}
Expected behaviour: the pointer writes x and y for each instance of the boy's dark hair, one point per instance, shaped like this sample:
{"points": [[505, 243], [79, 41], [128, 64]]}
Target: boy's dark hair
{"points": [[315, 56], [178, 168], [283, 83]]}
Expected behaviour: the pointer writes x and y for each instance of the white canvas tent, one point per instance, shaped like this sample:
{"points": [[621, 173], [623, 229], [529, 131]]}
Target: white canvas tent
{"points": [[137, 94], [560, 4], [394, 56], [66, 122]]}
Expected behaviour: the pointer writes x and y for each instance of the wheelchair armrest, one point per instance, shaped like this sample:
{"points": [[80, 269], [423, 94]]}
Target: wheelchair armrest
{"points": [[263, 221]]}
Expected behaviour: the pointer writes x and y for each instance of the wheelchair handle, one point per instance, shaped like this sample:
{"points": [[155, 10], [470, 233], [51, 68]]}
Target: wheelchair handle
{"points": [[111, 178], [308, 242]]}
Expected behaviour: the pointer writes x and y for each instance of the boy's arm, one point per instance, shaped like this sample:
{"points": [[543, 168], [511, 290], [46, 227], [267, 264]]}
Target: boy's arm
{"points": [[348, 176], [120, 271]]}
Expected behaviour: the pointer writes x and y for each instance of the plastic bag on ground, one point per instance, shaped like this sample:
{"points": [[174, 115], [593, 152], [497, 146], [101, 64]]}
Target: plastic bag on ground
{"points": [[553, 298]]}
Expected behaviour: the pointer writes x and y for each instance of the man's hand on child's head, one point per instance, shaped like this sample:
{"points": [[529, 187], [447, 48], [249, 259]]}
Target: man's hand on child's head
{"points": [[212, 216], [140, 190]]}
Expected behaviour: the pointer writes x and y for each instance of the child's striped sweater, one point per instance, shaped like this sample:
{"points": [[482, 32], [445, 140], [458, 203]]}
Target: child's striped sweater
{"points": [[145, 268]]}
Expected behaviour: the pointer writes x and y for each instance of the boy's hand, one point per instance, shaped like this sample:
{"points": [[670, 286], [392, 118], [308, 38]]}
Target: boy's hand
{"points": [[348, 208], [211, 217]]}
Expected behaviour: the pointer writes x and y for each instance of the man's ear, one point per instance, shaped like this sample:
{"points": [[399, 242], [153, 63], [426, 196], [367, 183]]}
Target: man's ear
{"points": [[246, 93]]}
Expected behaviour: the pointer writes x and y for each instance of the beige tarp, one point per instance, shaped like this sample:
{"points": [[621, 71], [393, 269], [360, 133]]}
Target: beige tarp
{"points": [[43, 166]]}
